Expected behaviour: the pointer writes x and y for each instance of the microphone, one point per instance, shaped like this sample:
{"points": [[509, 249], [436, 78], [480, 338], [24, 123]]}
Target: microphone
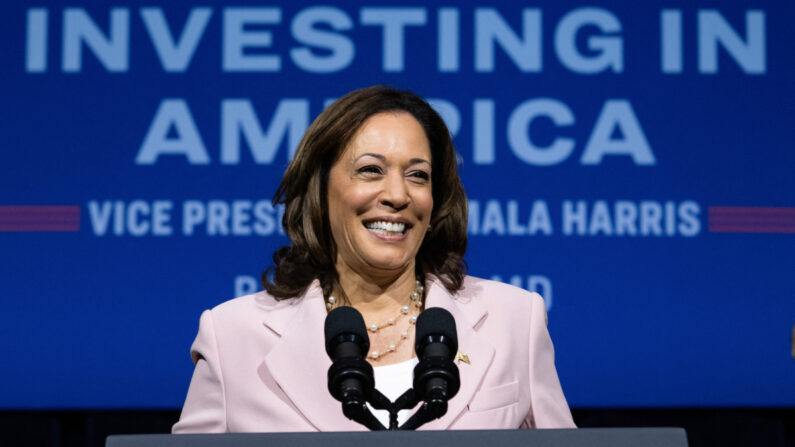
{"points": [[436, 378], [346, 334], [350, 377]]}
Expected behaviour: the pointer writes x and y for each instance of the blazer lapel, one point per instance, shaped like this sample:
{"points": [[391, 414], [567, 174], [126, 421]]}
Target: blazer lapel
{"points": [[299, 362], [480, 352]]}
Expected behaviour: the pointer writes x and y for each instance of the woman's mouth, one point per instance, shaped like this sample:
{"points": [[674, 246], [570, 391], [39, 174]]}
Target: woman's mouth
{"points": [[386, 228]]}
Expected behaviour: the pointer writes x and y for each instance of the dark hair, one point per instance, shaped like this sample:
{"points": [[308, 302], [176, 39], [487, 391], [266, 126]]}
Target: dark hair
{"points": [[303, 191]]}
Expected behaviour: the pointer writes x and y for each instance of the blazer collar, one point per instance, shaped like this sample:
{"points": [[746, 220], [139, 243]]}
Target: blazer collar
{"points": [[299, 363]]}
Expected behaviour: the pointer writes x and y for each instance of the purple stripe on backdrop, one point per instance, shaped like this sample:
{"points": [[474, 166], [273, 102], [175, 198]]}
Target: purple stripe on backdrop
{"points": [[750, 219], [34, 218]]}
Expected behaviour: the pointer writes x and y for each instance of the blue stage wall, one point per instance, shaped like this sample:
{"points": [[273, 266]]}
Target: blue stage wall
{"points": [[631, 161]]}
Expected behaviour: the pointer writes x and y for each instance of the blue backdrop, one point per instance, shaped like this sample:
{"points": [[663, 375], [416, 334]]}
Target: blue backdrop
{"points": [[632, 162]]}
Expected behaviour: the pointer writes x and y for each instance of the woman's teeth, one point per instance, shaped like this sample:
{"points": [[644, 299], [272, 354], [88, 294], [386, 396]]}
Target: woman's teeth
{"points": [[386, 228]]}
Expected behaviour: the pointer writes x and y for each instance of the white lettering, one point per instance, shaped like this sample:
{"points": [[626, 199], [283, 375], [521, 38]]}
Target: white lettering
{"points": [[100, 214], [232, 218], [650, 218], [539, 219], [236, 39], [713, 30], [574, 217], [217, 218], [514, 227], [264, 221], [136, 218], [492, 219], [393, 21], [112, 52], [689, 224], [137, 212], [600, 219], [491, 29], [340, 47], [617, 113], [241, 214], [626, 216], [449, 113], [671, 40], [448, 44], [36, 40], [609, 49], [175, 56], [483, 132], [670, 218], [518, 132], [473, 217], [161, 216], [193, 213], [173, 113], [290, 119], [118, 218], [245, 285]]}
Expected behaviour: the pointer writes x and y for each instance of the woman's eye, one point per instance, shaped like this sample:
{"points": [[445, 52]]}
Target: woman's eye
{"points": [[420, 175], [371, 169]]}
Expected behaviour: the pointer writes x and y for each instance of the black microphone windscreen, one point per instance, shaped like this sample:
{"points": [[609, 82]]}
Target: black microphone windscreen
{"points": [[343, 320], [437, 321]]}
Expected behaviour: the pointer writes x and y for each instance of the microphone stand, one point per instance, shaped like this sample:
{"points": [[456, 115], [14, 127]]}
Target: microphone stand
{"points": [[358, 411], [428, 411]]}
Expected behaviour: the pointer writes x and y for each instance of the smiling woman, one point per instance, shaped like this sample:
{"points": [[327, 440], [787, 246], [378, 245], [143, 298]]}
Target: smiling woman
{"points": [[379, 197], [377, 219], [371, 143]]}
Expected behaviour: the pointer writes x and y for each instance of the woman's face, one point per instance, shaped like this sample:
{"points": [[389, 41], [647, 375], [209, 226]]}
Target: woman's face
{"points": [[379, 195]]}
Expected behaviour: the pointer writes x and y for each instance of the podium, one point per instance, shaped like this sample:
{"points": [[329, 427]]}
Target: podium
{"points": [[583, 437]]}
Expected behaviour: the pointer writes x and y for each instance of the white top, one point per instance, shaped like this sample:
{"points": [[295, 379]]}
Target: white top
{"points": [[392, 381]]}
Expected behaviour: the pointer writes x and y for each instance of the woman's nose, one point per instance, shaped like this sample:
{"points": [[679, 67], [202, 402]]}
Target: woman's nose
{"points": [[395, 194]]}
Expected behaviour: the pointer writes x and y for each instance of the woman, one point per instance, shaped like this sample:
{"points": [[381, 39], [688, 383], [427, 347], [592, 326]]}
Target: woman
{"points": [[376, 216]]}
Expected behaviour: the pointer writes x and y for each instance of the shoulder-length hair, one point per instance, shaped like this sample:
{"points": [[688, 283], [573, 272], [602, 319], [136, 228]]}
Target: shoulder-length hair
{"points": [[303, 191]]}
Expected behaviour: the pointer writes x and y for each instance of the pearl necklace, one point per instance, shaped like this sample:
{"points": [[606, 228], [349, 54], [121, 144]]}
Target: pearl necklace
{"points": [[412, 310]]}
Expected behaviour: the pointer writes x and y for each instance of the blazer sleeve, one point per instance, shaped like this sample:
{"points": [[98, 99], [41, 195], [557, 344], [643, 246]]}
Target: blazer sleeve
{"points": [[548, 405], [205, 406]]}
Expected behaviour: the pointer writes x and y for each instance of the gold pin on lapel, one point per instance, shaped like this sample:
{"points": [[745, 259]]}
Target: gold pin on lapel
{"points": [[461, 357]]}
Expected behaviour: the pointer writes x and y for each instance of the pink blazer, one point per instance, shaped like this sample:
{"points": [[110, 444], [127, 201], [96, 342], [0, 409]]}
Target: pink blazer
{"points": [[261, 365]]}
